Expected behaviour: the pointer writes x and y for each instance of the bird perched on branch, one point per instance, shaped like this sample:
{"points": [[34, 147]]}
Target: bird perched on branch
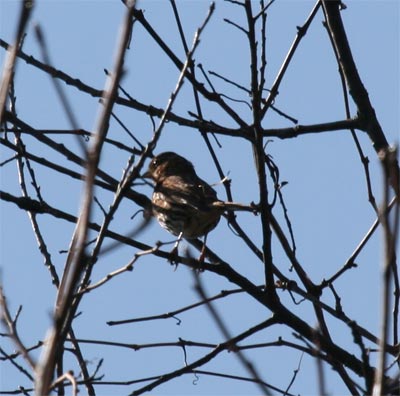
{"points": [[184, 204]]}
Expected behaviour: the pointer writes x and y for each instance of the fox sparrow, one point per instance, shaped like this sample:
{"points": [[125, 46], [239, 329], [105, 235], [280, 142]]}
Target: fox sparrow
{"points": [[184, 204]]}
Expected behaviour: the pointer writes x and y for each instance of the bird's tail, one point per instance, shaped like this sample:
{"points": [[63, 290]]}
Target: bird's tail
{"points": [[233, 206]]}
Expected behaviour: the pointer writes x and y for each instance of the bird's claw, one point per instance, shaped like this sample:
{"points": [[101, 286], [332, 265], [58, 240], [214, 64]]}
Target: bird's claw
{"points": [[201, 258]]}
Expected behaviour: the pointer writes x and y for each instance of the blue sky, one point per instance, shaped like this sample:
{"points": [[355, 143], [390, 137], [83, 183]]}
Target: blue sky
{"points": [[325, 195]]}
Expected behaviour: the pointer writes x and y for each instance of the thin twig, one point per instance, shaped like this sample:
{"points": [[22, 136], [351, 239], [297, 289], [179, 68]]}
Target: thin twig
{"points": [[111, 275], [225, 346], [300, 34], [237, 26], [296, 371], [11, 359], [241, 378], [173, 314], [59, 87], [226, 333], [350, 262], [11, 58], [11, 325]]}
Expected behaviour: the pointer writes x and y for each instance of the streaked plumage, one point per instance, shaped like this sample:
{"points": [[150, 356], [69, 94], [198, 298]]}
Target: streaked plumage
{"points": [[182, 202]]}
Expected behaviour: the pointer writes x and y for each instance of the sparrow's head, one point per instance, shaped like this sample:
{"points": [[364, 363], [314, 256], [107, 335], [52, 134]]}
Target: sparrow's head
{"points": [[168, 164]]}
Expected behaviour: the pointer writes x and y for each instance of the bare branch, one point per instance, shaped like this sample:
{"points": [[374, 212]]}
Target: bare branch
{"points": [[11, 326], [10, 61], [301, 31], [76, 259], [366, 112], [389, 161], [224, 330]]}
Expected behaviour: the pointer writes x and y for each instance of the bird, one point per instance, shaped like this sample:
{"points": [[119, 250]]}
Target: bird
{"points": [[182, 202]]}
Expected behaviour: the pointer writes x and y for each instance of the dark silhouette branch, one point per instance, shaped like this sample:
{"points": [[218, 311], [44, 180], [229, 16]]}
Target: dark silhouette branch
{"points": [[365, 112]]}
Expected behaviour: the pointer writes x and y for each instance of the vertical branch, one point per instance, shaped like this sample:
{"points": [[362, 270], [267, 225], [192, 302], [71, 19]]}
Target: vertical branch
{"points": [[366, 112], [9, 64], [40, 239], [76, 260], [389, 160], [258, 152], [263, 14], [364, 159]]}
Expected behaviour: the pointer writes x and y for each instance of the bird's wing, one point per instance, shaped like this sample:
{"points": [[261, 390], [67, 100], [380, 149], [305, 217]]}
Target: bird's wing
{"points": [[191, 193]]}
